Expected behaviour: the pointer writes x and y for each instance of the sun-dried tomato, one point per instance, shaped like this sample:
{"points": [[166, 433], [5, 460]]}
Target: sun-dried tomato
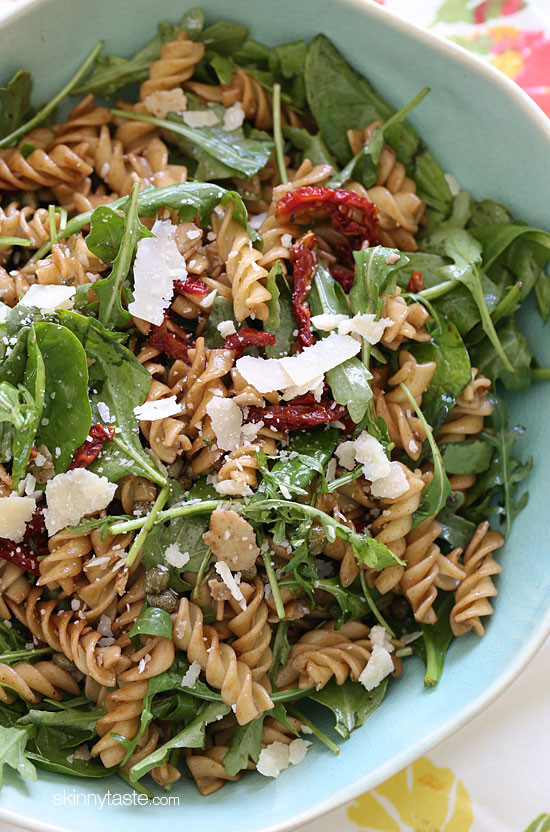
{"points": [[21, 554], [248, 337], [350, 214], [288, 417], [416, 282], [304, 258], [344, 277], [192, 285], [164, 339], [91, 448]]}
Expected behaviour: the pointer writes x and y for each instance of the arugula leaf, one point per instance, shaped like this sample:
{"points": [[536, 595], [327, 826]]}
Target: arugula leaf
{"points": [[13, 742], [490, 364], [66, 392], [364, 165], [487, 212], [245, 745], [224, 38], [349, 382], [151, 621], [350, 703], [222, 310], [456, 530], [192, 736], [473, 456], [280, 648], [119, 381], [452, 372], [350, 605], [15, 102], [49, 749], [434, 496], [184, 532], [509, 472], [281, 319], [433, 645], [18, 408], [70, 718], [374, 276], [110, 289], [465, 251], [312, 146], [106, 233], [110, 72], [307, 452]]}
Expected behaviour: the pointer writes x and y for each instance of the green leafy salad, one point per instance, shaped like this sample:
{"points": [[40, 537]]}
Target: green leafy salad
{"points": [[253, 452]]}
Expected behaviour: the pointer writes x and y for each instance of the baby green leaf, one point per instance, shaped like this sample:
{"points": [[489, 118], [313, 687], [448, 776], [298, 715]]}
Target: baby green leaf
{"points": [[456, 530], [307, 452], [374, 276], [312, 147], [470, 457], [152, 621], [13, 742], [350, 703], [433, 645], [515, 344], [434, 496], [192, 736], [15, 102], [224, 38], [281, 319], [245, 744], [106, 233]]}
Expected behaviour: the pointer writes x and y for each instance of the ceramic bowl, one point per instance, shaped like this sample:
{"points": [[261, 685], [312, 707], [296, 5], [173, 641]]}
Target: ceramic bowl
{"points": [[496, 142]]}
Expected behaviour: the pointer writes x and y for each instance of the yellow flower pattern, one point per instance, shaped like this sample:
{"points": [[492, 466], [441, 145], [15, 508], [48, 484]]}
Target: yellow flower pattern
{"points": [[421, 798]]}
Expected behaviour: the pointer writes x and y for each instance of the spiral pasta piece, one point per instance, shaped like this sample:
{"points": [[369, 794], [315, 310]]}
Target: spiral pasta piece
{"points": [[253, 633], [33, 681], [122, 716], [418, 581], [244, 272], [14, 587], [13, 285], [472, 596], [208, 771], [65, 561], [176, 64], [62, 164], [223, 670], [408, 319]]}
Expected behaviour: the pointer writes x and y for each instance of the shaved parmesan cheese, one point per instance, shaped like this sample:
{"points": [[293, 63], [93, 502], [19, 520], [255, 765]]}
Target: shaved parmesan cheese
{"points": [[392, 258], [257, 220], [200, 118], [191, 675], [297, 750], [175, 557], [227, 419], [370, 453], [453, 184], [327, 321], [104, 413], [327, 353], [233, 488], [162, 102], [366, 326], [315, 385], [265, 374], [15, 513], [346, 455], [391, 486], [278, 756], [162, 409], [379, 666], [49, 297], [158, 263], [231, 581], [226, 328], [233, 117], [72, 495], [249, 432], [380, 636]]}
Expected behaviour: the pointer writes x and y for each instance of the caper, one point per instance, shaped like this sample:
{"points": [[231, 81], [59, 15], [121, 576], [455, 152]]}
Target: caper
{"points": [[63, 662], [157, 579], [317, 541], [249, 574], [167, 600]]}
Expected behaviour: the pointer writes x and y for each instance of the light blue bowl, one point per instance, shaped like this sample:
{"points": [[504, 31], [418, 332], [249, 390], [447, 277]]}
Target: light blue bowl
{"points": [[496, 142]]}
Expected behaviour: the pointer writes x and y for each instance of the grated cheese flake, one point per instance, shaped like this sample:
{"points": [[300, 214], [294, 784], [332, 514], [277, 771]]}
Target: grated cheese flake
{"points": [[231, 581], [233, 488], [233, 117], [369, 452], [366, 326], [200, 118], [191, 675], [71, 495], [379, 666], [297, 750], [391, 486], [162, 102], [161, 409], [49, 296], [328, 321], [175, 557], [226, 328], [346, 455], [15, 513], [227, 419], [158, 263]]}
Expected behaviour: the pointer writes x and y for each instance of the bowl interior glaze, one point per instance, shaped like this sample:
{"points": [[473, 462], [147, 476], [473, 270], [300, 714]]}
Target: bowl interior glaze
{"points": [[494, 140]]}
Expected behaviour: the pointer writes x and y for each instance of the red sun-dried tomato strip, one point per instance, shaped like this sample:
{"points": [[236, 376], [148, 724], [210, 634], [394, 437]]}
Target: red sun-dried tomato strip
{"points": [[290, 417], [248, 337], [91, 448], [170, 343], [192, 285], [304, 258], [344, 277], [351, 214], [21, 554], [416, 282]]}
